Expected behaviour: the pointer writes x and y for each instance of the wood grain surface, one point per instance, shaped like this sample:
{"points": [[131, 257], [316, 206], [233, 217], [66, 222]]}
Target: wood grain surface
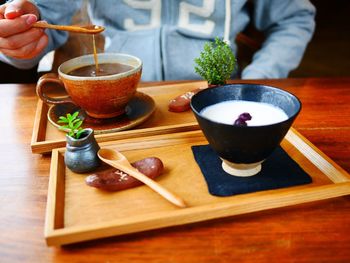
{"points": [[314, 232], [88, 214], [47, 137]]}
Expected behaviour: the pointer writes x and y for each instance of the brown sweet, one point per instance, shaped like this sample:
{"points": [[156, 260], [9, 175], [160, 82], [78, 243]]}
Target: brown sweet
{"points": [[182, 103], [116, 180]]}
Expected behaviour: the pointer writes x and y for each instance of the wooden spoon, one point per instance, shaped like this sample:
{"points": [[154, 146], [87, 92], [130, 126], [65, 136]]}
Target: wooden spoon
{"points": [[119, 161], [87, 29]]}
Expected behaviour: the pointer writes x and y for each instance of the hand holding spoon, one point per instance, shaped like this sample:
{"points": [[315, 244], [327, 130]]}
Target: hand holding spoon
{"points": [[119, 161], [87, 29]]}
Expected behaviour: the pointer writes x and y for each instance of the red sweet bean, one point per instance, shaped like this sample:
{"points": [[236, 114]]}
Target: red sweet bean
{"points": [[115, 180], [182, 103]]}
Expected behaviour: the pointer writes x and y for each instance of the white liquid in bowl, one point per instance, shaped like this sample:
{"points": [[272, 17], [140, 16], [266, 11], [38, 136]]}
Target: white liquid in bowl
{"points": [[228, 111]]}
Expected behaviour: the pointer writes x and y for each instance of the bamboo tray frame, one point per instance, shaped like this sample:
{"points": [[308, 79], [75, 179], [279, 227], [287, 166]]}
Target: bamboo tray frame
{"points": [[46, 137], [76, 212]]}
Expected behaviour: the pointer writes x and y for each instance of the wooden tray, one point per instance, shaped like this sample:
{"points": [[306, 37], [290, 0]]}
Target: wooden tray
{"points": [[76, 212], [46, 137]]}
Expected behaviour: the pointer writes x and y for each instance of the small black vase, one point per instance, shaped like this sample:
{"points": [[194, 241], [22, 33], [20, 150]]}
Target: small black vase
{"points": [[81, 154]]}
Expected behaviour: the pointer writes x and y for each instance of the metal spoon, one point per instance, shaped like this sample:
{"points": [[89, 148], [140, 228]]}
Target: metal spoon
{"points": [[87, 29], [119, 161]]}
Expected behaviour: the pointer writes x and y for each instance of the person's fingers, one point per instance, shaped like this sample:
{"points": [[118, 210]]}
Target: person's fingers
{"points": [[41, 45], [9, 27], [17, 37], [13, 10], [19, 40], [28, 51], [17, 8], [2, 11]]}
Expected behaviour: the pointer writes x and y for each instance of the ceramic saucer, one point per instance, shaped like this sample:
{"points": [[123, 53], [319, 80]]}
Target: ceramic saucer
{"points": [[140, 108]]}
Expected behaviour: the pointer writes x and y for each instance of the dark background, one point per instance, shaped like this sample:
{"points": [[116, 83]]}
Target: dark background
{"points": [[328, 54]]}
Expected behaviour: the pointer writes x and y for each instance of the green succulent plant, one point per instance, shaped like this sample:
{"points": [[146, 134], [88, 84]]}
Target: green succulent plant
{"points": [[71, 124], [216, 62]]}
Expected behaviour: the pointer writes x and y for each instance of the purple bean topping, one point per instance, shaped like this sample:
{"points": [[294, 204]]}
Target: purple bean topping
{"points": [[242, 118], [245, 116], [240, 122]]}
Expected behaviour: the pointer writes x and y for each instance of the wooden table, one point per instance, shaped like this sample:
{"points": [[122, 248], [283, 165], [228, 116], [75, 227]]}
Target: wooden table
{"points": [[314, 232]]}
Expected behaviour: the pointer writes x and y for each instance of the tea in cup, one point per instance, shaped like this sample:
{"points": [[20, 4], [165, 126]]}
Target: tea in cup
{"points": [[102, 93]]}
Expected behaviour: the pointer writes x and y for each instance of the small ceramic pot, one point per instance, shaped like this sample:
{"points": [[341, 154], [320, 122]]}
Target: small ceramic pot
{"points": [[81, 154]]}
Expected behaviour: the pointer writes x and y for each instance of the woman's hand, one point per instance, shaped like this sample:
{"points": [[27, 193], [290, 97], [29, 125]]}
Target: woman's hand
{"points": [[17, 37]]}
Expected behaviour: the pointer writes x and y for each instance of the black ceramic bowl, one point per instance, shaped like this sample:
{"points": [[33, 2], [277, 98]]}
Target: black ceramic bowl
{"points": [[243, 149]]}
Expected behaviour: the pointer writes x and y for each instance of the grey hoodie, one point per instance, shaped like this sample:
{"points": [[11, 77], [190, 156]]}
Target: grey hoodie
{"points": [[168, 34]]}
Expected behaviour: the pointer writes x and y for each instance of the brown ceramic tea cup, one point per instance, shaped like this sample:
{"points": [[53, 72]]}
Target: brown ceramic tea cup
{"points": [[102, 95]]}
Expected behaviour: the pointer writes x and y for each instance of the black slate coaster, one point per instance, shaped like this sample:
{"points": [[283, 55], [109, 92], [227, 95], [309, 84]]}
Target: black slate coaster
{"points": [[278, 171]]}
